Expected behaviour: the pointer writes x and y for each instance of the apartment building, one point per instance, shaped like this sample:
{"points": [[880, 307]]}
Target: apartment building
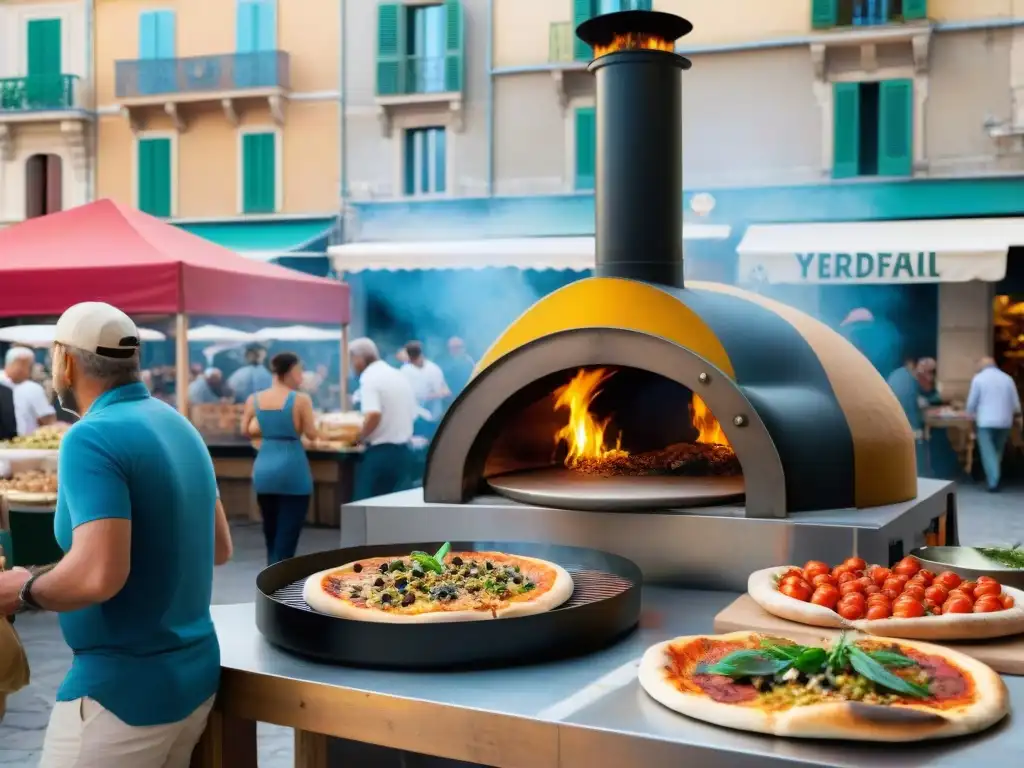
{"points": [[45, 108], [223, 116]]}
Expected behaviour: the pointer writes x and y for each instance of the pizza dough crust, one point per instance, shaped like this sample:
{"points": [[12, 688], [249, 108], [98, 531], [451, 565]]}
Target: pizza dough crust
{"points": [[320, 601], [836, 720], [954, 626]]}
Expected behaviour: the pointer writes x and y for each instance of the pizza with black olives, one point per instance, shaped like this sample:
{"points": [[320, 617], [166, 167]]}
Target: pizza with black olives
{"points": [[447, 586], [864, 689]]}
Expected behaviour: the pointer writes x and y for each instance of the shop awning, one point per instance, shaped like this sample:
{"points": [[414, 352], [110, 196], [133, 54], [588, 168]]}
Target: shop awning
{"points": [[575, 253], [922, 251], [268, 240]]}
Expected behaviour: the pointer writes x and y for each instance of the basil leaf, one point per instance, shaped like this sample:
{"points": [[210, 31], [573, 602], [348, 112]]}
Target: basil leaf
{"points": [[444, 550], [891, 659], [747, 664], [811, 660], [782, 652], [429, 563], [838, 657], [879, 675]]}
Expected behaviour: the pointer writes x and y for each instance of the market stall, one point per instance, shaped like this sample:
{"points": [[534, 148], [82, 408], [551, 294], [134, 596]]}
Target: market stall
{"points": [[104, 251]]}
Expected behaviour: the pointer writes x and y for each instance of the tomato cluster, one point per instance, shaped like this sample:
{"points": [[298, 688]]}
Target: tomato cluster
{"points": [[856, 591]]}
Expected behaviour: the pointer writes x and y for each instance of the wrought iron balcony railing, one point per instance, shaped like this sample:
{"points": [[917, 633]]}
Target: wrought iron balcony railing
{"points": [[560, 42], [419, 74], [38, 93], [138, 78]]}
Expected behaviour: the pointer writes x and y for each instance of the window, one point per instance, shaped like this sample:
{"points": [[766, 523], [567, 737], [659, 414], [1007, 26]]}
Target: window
{"points": [[586, 9], [873, 129], [259, 172], [419, 48], [857, 13], [425, 161], [44, 86], [255, 64], [156, 52], [586, 147], [154, 176], [44, 191]]}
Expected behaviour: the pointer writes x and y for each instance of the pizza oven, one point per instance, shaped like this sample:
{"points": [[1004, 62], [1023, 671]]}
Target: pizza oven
{"points": [[631, 390]]}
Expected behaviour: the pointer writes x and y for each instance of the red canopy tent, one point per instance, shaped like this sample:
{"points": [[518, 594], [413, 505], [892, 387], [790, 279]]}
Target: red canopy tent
{"points": [[104, 251]]}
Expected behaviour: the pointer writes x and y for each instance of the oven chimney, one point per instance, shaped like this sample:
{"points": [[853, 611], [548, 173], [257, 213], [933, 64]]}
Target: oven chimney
{"points": [[638, 195]]}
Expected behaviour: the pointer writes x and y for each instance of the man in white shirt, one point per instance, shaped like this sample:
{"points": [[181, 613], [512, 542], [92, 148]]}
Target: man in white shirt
{"points": [[994, 403], [388, 404], [427, 380], [32, 408]]}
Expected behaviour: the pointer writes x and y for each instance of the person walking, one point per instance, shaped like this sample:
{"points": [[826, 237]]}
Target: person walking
{"points": [[994, 403], [252, 377], [137, 519], [280, 417], [389, 408]]}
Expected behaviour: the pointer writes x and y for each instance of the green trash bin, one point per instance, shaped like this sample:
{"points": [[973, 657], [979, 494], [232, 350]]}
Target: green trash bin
{"points": [[32, 536]]}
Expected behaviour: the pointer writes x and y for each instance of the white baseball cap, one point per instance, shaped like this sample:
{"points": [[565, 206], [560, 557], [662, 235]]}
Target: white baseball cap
{"points": [[98, 327]]}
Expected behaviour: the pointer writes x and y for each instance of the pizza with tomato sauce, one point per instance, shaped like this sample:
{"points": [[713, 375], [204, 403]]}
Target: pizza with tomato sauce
{"points": [[866, 689], [447, 586], [906, 600]]}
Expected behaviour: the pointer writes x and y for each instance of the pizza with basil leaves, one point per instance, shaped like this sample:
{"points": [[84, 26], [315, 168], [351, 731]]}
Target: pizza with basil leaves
{"points": [[864, 689], [448, 586]]}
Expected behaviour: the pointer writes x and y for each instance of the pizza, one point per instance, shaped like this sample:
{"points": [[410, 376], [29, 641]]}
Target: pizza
{"points": [[905, 601], [444, 587], [868, 689]]}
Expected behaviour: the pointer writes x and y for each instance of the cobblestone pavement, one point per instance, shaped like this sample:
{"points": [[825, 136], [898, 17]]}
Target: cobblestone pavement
{"points": [[984, 518]]}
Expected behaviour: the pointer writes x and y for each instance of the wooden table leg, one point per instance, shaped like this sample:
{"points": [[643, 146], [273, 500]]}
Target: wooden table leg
{"points": [[310, 750], [227, 742]]}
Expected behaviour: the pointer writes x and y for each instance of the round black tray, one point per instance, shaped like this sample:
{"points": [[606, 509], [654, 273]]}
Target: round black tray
{"points": [[604, 606]]}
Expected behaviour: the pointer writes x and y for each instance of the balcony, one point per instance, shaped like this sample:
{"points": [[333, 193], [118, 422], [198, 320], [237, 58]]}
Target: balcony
{"points": [[414, 80], [228, 78], [38, 99]]}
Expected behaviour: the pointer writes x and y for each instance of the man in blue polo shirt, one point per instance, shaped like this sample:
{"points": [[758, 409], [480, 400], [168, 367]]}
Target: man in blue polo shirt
{"points": [[135, 518]]}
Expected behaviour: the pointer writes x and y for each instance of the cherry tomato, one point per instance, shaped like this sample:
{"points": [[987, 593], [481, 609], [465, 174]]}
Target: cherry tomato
{"points": [[853, 598], [823, 578], [902, 578], [925, 574], [1007, 601], [792, 578], [814, 568], [880, 574], [908, 566], [908, 609], [987, 580], [892, 594], [948, 579], [959, 593], [968, 587], [866, 581], [874, 589], [851, 586], [986, 588], [878, 611], [933, 607], [846, 576], [825, 596], [937, 593], [989, 604], [878, 597], [893, 584], [851, 611], [957, 605], [915, 591], [855, 563], [796, 591]]}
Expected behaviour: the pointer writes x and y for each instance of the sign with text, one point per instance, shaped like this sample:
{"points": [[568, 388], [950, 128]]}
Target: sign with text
{"points": [[878, 267]]}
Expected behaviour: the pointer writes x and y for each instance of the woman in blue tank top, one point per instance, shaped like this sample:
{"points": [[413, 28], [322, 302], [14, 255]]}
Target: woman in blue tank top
{"points": [[280, 417]]}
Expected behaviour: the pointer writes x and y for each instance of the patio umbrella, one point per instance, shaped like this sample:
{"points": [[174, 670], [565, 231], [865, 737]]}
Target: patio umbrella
{"points": [[42, 335], [298, 333]]}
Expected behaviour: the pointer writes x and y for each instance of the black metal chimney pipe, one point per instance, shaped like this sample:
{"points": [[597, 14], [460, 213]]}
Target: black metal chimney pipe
{"points": [[638, 195]]}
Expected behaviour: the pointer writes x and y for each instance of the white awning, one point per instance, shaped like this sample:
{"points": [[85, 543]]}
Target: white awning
{"points": [[923, 251], [524, 253]]}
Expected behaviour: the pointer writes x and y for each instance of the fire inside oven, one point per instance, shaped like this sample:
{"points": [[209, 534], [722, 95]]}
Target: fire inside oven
{"points": [[587, 437]]}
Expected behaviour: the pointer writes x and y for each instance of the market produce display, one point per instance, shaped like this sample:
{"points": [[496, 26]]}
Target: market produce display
{"points": [[447, 586], [33, 486], [869, 689], [43, 439], [906, 601]]}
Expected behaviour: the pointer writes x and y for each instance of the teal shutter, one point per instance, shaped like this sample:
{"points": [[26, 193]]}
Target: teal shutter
{"points": [[154, 176], [637, 5], [266, 25], [453, 45], [825, 13], [148, 35], [586, 147], [581, 11], [846, 130], [44, 87], [915, 9], [390, 53], [896, 128], [259, 173], [246, 26]]}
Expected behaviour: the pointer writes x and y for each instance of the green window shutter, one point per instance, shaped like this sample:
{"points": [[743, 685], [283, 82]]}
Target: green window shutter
{"points": [[637, 5], [581, 11], [390, 50], [259, 173], [43, 86], [453, 45], [846, 130], [915, 9], [586, 147], [825, 13], [154, 181], [896, 128]]}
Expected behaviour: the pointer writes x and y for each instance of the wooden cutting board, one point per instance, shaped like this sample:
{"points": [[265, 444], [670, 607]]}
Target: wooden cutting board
{"points": [[1005, 655]]}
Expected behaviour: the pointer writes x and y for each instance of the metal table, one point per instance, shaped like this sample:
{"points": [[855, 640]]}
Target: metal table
{"points": [[579, 713]]}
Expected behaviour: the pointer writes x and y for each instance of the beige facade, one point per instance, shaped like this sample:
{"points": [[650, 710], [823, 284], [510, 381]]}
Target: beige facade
{"points": [[293, 97]]}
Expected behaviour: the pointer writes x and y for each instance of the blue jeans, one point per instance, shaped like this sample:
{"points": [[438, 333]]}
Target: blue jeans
{"points": [[991, 444], [283, 518]]}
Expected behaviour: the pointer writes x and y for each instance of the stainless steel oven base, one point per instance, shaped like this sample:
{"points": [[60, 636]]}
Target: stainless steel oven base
{"points": [[708, 548]]}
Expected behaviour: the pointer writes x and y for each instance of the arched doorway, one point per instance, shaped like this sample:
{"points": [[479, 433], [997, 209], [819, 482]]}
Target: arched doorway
{"points": [[44, 185]]}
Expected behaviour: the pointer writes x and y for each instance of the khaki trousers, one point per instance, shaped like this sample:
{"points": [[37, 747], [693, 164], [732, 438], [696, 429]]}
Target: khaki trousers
{"points": [[82, 734]]}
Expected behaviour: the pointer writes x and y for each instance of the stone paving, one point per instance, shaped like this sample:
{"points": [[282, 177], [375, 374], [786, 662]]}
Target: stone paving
{"points": [[984, 518]]}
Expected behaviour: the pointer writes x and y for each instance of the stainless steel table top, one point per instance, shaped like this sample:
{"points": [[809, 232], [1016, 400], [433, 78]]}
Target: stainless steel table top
{"points": [[604, 717]]}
